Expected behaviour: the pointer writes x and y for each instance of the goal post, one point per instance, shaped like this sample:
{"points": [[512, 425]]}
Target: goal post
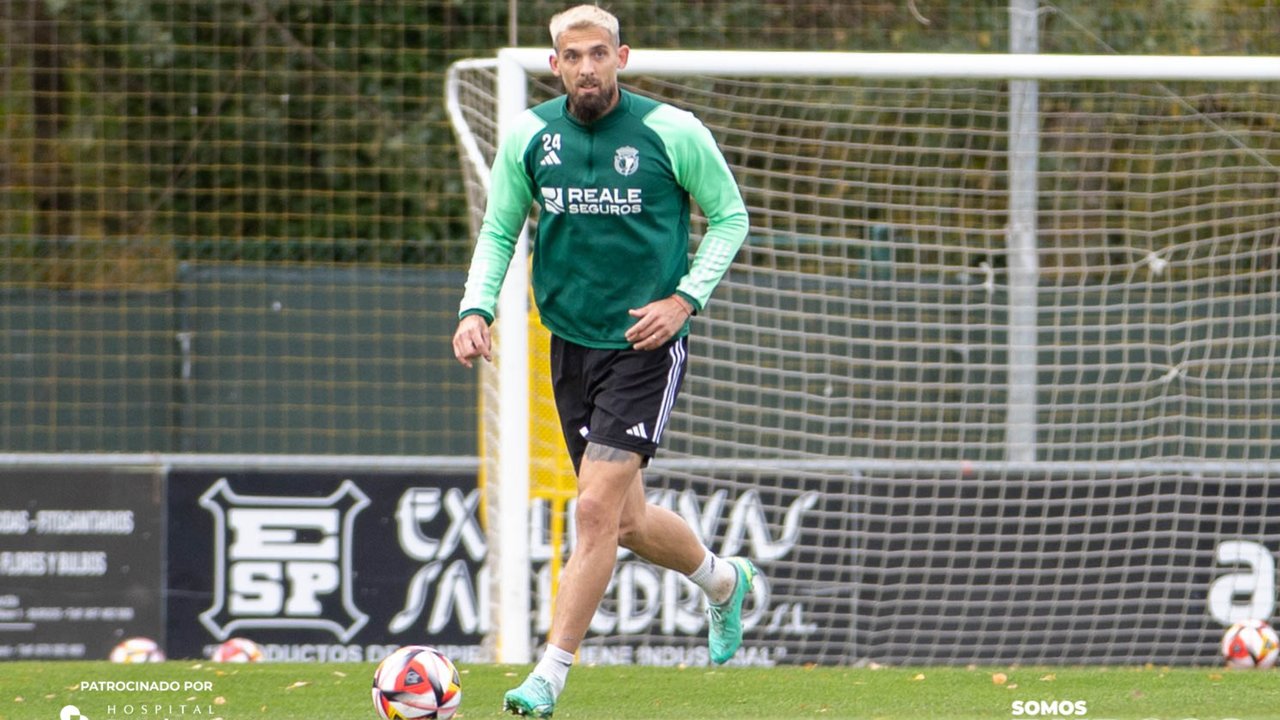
{"points": [[848, 418]]}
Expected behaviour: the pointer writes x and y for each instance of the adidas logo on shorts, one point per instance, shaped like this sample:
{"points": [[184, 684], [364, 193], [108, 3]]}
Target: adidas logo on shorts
{"points": [[638, 430]]}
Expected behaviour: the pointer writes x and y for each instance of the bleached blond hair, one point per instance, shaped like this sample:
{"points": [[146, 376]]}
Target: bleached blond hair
{"points": [[584, 16]]}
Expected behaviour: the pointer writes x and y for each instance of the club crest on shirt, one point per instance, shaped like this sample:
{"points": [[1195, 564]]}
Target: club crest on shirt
{"points": [[626, 160]]}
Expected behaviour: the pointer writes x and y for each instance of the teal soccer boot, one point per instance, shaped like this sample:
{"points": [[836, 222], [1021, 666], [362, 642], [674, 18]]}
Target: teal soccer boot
{"points": [[532, 699], [724, 635]]}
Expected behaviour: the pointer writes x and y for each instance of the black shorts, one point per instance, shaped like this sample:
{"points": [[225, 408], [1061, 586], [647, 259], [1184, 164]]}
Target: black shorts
{"points": [[618, 398]]}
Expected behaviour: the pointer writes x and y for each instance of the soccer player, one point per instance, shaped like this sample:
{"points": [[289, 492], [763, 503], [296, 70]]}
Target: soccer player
{"points": [[613, 173]]}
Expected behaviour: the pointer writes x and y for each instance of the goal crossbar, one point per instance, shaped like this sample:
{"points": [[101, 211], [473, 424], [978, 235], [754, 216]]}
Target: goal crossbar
{"points": [[762, 63]]}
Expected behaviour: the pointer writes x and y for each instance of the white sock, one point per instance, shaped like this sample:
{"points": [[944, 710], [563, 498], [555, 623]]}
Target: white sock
{"points": [[554, 667], [716, 577]]}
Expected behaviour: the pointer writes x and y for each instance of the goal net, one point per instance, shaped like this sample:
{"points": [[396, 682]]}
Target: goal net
{"points": [[941, 440]]}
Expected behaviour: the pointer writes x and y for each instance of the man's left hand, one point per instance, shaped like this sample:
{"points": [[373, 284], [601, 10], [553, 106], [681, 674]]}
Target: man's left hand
{"points": [[658, 322]]}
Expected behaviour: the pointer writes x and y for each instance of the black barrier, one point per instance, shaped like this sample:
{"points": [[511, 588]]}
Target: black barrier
{"points": [[1032, 566], [80, 561], [325, 566]]}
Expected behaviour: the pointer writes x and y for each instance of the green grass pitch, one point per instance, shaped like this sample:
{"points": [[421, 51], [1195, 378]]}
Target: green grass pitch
{"points": [[289, 691]]}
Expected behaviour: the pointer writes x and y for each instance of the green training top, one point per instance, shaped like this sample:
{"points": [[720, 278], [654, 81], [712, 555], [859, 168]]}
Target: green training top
{"points": [[613, 232]]}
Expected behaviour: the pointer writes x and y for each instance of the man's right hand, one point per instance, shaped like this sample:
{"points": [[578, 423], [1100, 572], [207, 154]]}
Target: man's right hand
{"points": [[471, 340]]}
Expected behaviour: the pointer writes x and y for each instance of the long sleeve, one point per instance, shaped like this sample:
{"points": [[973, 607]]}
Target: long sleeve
{"points": [[701, 169], [510, 194]]}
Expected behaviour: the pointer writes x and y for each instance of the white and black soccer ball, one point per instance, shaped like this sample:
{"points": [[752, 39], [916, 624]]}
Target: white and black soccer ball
{"points": [[416, 681], [136, 650], [237, 650], [1250, 644]]}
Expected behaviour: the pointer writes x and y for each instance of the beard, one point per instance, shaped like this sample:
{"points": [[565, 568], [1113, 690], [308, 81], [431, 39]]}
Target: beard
{"points": [[588, 108]]}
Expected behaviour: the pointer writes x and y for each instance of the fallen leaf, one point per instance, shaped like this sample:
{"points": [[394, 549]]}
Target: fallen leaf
{"points": [[219, 700], [1012, 686], [919, 676], [298, 684], [1049, 678], [999, 678]]}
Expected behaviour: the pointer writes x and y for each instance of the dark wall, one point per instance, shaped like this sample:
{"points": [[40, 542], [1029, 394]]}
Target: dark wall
{"points": [[240, 360]]}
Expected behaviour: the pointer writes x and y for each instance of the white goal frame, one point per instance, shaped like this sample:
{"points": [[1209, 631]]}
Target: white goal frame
{"points": [[515, 65]]}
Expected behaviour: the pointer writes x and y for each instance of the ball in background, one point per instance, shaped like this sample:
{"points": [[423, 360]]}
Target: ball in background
{"points": [[1250, 644], [416, 681], [136, 650], [237, 650]]}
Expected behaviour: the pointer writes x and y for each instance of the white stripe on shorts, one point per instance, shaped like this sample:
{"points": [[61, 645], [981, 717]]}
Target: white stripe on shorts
{"points": [[677, 353]]}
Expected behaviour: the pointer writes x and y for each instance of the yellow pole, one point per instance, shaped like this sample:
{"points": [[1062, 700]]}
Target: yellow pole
{"points": [[551, 472]]}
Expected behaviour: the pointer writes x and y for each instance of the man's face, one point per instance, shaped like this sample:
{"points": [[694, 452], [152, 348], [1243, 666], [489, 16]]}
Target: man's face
{"points": [[588, 63]]}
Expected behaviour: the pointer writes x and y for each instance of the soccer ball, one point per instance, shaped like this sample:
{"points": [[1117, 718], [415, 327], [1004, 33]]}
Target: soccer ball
{"points": [[237, 650], [416, 681], [137, 650], [1250, 644]]}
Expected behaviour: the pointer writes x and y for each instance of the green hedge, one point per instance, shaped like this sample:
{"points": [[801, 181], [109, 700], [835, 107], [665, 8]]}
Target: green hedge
{"points": [[308, 130]]}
